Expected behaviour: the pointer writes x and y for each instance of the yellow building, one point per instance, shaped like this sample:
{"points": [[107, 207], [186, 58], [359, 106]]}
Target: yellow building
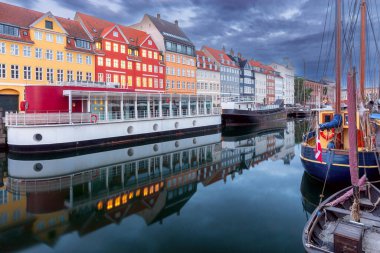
{"points": [[40, 48]]}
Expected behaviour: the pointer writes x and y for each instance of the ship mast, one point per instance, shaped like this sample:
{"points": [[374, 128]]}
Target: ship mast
{"points": [[363, 17], [338, 55]]}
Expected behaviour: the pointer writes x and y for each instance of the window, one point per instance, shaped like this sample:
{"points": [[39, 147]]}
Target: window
{"points": [[179, 72], [178, 59], [122, 80], [100, 77], [155, 69], [108, 62], [2, 70], [88, 60], [2, 48], [167, 84], [60, 75], [108, 46], [168, 57], [161, 70], [122, 64], [49, 54], [144, 67], [49, 37], [150, 56], [14, 71], [59, 39], [49, 75], [183, 72], [9, 30], [129, 51], [115, 34], [122, 49], [155, 55], [178, 85], [59, 56], [108, 78], [144, 81], [150, 82], [150, 69], [79, 58], [115, 47], [88, 76], [143, 53], [48, 24], [138, 66], [27, 51], [100, 61], [70, 77], [138, 81], [37, 35], [161, 83], [79, 76], [173, 58], [167, 70], [69, 57], [115, 63], [130, 82], [27, 73], [14, 49], [82, 44], [155, 83], [38, 73]]}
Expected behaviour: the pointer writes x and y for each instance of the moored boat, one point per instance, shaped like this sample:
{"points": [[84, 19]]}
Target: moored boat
{"points": [[80, 116]]}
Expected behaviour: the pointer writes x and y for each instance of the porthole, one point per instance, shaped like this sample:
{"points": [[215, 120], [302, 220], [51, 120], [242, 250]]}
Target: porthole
{"points": [[38, 167], [130, 152], [155, 127], [37, 137], [194, 122], [176, 125], [176, 144], [195, 141], [130, 129], [155, 148]]}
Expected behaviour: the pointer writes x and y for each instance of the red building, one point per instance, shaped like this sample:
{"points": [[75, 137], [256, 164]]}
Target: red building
{"points": [[127, 57], [270, 93]]}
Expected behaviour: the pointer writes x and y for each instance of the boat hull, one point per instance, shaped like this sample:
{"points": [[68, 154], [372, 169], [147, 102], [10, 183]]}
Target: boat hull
{"points": [[339, 172], [235, 117], [62, 138]]}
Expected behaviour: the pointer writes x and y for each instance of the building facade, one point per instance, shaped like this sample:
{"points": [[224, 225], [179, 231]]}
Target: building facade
{"points": [[125, 57], [270, 91], [287, 73], [260, 82], [315, 99], [229, 72], [208, 77], [246, 80], [179, 53], [40, 48]]}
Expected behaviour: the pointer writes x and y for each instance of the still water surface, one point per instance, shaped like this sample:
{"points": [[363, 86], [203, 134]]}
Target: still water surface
{"points": [[240, 191]]}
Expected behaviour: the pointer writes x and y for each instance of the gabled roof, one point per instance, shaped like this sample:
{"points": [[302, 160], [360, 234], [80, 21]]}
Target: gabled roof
{"points": [[170, 31], [73, 28], [95, 26], [254, 63], [220, 55], [200, 55], [18, 16], [135, 37]]}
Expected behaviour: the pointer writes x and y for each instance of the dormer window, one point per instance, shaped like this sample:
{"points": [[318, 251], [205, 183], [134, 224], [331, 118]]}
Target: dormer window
{"points": [[115, 34], [9, 30], [48, 24], [82, 44], [150, 42]]}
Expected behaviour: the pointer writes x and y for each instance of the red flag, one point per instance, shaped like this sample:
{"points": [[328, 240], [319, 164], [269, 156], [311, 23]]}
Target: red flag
{"points": [[318, 149]]}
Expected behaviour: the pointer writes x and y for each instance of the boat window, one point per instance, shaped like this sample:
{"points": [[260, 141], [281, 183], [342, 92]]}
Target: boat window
{"points": [[327, 117]]}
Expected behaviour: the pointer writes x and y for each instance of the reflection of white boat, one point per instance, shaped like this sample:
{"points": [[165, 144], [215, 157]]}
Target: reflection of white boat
{"points": [[55, 167]]}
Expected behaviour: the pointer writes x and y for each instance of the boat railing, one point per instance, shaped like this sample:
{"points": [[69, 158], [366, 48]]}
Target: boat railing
{"points": [[88, 84], [23, 119]]}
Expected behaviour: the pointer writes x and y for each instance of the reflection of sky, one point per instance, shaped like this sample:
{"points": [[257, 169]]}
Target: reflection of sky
{"points": [[259, 211]]}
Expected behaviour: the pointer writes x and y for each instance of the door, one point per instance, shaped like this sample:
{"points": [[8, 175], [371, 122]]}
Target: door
{"points": [[9, 103]]}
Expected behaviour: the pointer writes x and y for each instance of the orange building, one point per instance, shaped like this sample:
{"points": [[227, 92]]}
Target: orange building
{"points": [[179, 53]]}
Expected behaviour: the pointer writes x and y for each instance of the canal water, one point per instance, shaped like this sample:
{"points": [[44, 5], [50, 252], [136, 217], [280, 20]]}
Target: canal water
{"points": [[243, 190]]}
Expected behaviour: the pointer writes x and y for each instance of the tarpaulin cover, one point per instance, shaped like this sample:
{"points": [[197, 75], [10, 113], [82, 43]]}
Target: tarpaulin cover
{"points": [[334, 123]]}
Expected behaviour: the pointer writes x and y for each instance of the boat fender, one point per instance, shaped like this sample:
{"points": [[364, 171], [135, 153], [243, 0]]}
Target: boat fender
{"points": [[94, 118], [329, 134]]}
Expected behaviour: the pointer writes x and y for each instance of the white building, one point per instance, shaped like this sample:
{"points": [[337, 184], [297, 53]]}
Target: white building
{"points": [[279, 87], [287, 72], [260, 81]]}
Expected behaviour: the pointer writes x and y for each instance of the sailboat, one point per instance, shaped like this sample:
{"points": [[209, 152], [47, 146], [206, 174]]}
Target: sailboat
{"points": [[332, 130], [348, 221]]}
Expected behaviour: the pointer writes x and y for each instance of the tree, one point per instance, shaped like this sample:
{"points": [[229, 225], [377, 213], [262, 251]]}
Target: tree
{"points": [[301, 94]]}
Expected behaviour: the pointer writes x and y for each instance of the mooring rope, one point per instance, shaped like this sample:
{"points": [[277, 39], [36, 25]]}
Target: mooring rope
{"points": [[321, 196]]}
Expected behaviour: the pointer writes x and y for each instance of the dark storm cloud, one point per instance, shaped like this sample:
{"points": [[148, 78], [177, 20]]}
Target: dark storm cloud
{"points": [[267, 30]]}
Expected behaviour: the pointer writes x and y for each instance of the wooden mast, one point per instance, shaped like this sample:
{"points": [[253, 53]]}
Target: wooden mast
{"points": [[363, 18], [338, 55]]}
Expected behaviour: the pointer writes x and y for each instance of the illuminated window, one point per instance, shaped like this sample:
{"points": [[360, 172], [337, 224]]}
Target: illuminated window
{"points": [[150, 80], [117, 202], [122, 49], [137, 192], [108, 46], [122, 64], [156, 187], [122, 80], [150, 68], [109, 204], [100, 61], [124, 199], [138, 81], [98, 46], [100, 205], [108, 62], [130, 195], [130, 83], [138, 66], [144, 67], [130, 65], [155, 55], [100, 77], [143, 53], [150, 54], [145, 191], [144, 82], [129, 51], [151, 190], [115, 63], [115, 47], [116, 78]]}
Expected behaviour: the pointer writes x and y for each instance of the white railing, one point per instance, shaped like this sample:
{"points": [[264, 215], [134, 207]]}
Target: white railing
{"points": [[88, 84]]}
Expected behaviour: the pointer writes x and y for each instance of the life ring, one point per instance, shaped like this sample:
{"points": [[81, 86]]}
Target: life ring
{"points": [[94, 118], [329, 135]]}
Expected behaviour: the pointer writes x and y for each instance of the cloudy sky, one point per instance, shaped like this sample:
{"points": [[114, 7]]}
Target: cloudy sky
{"points": [[266, 30]]}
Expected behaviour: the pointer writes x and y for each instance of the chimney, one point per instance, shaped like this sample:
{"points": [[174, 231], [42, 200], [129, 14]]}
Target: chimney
{"points": [[158, 15], [223, 49], [239, 55], [232, 52], [176, 22]]}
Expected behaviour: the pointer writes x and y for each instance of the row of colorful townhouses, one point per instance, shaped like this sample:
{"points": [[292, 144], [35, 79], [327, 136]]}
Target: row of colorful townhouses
{"points": [[153, 55]]}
